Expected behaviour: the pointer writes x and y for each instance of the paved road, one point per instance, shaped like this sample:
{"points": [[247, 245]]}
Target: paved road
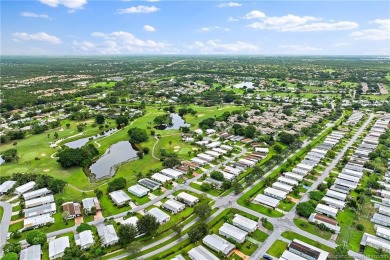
{"points": [[5, 222]]}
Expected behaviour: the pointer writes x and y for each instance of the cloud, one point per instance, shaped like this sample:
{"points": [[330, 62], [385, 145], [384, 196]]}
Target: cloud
{"points": [[232, 19], [335, 26], [229, 4], [299, 48], [141, 9], [216, 46], [281, 23], [382, 32], [149, 28], [152, 0], [34, 15], [213, 28], [119, 43], [71, 4], [41, 36], [255, 14]]}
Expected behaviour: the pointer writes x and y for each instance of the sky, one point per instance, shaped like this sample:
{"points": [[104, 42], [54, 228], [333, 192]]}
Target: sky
{"points": [[96, 27]]}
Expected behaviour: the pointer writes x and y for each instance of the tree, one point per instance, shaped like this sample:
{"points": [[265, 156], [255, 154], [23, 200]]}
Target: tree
{"points": [[197, 232], [137, 135], [170, 162], [83, 227], [10, 155], [202, 210], [278, 148], [116, 184], [69, 157], [10, 256], [55, 135], [122, 120], [126, 233], [147, 224], [322, 187], [67, 125], [217, 175], [237, 187], [93, 211], [177, 228], [140, 154], [163, 119], [305, 209], [12, 247], [134, 248], [100, 119], [98, 193], [341, 252], [74, 253], [316, 195], [286, 138], [36, 237], [146, 150], [250, 131], [65, 216]]}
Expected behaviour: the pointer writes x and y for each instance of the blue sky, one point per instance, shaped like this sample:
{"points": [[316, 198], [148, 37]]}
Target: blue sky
{"points": [[79, 27]]}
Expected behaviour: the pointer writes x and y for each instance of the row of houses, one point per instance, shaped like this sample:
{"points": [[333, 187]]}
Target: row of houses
{"points": [[286, 183], [299, 250], [354, 118], [20, 190], [382, 217]]}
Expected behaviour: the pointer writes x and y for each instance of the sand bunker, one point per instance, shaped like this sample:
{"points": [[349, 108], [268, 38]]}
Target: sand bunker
{"points": [[43, 154], [46, 170]]}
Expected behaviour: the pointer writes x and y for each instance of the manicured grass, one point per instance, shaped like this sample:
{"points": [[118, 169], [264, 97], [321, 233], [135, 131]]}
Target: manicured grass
{"points": [[291, 236], [103, 84], [212, 192], [286, 206], [277, 248], [311, 228], [269, 226], [259, 235], [373, 253], [247, 247]]}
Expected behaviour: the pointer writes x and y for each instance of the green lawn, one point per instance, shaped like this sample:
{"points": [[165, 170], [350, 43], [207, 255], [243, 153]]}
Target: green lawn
{"points": [[291, 236], [277, 248], [311, 228]]}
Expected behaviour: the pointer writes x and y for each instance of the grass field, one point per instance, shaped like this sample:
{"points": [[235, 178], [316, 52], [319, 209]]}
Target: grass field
{"points": [[103, 84], [277, 248], [313, 229]]}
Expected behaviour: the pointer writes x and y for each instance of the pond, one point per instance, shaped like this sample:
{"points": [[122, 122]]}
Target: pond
{"points": [[82, 141], [117, 153], [244, 84], [1, 160], [177, 122]]}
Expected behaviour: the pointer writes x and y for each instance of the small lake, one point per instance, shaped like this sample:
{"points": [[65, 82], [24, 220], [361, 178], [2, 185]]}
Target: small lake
{"points": [[177, 122], [1, 160], [82, 141], [244, 84], [116, 154]]}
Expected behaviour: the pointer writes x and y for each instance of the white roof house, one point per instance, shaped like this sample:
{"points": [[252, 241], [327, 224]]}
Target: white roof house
{"points": [[287, 255], [233, 232], [348, 184], [132, 221], [384, 210], [57, 247], [235, 171], [187, 198], [172, 173], [382, 232], [219, 150], [247, 162], [336, 195], [385, 193], [160, 177], [294, 176], [160, 215], [31, 253], [301, 248], [329, 211], [212, 153], [226, 147], [138, 190], [198, 131], [107, 235], [261, 150], [25, 187], [201, 253], [282, 186], [40, 210], [375, 242], [300, 171], [228, 176], [119, 197], [174, 206], [84, 239], [274, 193], [36, 193], [287, 181], [304, 167], [213, 145], [206, 157], [334, 202], [218, 244], [353, 173], [348, 177], [328, 222], [266, 200], [244, 223], [210, 131], [150, 184], [381, 219], [39, 201], [36, 221], [6, 186], [88, 203], [198, 161]]}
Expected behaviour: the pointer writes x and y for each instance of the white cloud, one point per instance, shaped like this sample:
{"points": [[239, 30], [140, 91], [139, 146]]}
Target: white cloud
{"points": [[229, 4], [282, 23], [232, 19], [299, 48], [341, 44], [141, 9], [71, 4], [255, 14], [41, 36], [382, 32], [213, 28], [149, 28], [335, 26], [119, 43], [152, 0], [34, 15], [216, 46]]}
